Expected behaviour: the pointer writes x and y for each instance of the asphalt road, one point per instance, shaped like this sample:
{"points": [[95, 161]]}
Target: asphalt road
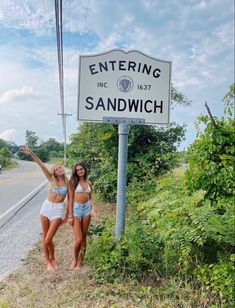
{"points": [[22, 191], [18, 182]]}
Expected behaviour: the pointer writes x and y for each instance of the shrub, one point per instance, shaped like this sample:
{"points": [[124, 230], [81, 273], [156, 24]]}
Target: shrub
{"points": [[135, 255], [219, 279]]}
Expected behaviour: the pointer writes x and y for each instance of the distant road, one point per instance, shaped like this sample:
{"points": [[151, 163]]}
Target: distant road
{"points": [[18, 182]]}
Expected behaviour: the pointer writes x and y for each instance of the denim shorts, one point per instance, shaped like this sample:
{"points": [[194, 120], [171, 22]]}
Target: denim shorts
{"points": [[81, 209]]}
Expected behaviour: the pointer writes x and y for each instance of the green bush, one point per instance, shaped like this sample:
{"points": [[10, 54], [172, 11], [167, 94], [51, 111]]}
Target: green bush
{"points": [[4, 161], [212, 159], [173, 236], [5, 157], [135, 256], [219, 278]]}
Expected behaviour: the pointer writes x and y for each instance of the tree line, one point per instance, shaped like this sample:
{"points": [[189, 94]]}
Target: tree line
{"points": [[46, 150]]}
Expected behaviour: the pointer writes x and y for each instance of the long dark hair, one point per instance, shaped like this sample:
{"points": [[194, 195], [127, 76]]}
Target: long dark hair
{"points": [[74, 179]]}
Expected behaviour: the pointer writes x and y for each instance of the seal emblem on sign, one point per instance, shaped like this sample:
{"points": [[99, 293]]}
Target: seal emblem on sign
{"points": [[125, 84]]}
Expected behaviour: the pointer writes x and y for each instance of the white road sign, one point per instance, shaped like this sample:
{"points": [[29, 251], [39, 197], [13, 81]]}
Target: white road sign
{"points": [[124, 84]]}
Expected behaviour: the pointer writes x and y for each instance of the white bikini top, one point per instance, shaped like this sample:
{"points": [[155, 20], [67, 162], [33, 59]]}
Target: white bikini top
{"points": [[80, 189]]}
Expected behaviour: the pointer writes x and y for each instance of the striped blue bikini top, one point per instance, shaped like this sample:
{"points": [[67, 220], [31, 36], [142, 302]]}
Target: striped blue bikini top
{"points": [[60, 190]]}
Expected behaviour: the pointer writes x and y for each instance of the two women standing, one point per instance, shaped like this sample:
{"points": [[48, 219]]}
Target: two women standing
{"points": [[54, 212]]}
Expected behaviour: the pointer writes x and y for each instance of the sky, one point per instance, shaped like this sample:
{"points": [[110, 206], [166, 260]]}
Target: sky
{"points": [[196, 36]]}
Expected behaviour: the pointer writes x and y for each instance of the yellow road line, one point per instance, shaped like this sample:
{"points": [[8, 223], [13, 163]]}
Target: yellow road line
{"points": [[24, 200], [20, 176]]}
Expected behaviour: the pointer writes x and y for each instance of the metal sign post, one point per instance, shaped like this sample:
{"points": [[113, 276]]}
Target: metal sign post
{"points": [[123, 131]]}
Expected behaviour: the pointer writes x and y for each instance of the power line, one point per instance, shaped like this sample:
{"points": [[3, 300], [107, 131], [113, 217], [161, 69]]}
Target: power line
{"points": [[64, 115], [49, 52], [86, 15], [59, 37]]}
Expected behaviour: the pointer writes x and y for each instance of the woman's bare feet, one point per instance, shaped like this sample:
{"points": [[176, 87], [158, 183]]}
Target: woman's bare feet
{"points": [[73, 264], [79, 262], [50, 267], [53, 262], [78, 266]]}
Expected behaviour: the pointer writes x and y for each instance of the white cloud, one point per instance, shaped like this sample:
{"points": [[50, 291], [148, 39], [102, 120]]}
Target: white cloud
{"points": [[110, 42], [149, 4], [225, 35], [30, 15], [202, 5], [8, 134], [13, 95]]}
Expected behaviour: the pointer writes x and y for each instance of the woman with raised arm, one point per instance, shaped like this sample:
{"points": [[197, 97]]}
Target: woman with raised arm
{"points": [[81, 208], [53, 210]]}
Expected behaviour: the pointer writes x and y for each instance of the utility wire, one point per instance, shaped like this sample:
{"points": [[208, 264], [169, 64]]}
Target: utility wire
{"points": [[86, 16], [68, 45], [49, 52], [59, 37]]}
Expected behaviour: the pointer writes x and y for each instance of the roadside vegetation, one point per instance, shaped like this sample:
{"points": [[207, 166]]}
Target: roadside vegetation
{"points": [[185, 232], [7, 150], [178, 249], [46, 150]]}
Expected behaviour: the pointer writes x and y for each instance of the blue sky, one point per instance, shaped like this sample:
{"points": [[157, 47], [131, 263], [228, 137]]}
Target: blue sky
{"points": [[196, 36]]}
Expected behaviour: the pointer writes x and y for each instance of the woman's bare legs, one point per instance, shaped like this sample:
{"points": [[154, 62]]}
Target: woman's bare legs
{"points": [[85, 222], [45, 227], [49, 229], [77, 233]]}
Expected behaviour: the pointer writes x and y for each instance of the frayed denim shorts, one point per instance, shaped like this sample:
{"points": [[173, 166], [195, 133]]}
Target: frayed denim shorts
{"points": [[53, 210], [81, 209]]}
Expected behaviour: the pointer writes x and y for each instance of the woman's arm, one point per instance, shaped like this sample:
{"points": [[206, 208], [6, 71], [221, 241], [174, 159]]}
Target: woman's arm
{"points": [[69, 211], [93, 211], [37, 160]]}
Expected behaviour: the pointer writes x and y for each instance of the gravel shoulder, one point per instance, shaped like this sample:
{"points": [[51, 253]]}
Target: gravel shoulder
{"points": [[20, 234]]}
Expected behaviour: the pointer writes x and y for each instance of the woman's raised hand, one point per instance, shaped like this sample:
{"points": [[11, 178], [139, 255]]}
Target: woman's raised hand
{"points": [[25, 150]]}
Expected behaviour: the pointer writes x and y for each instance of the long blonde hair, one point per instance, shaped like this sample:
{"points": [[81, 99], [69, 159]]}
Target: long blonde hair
{"points": [[54, 180]]}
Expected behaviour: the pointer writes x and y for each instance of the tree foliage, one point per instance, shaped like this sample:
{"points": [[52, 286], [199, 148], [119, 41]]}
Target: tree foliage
{"points": [[3, 143], [229, 99], [151, 151], [5, 157], [31, 139], [53, 145], [45, 151], [179, 98], [212, 158], [5, 154], [13, 147]]}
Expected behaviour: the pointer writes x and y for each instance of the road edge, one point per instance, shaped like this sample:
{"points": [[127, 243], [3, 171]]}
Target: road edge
{"points": [[13, 210]]}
